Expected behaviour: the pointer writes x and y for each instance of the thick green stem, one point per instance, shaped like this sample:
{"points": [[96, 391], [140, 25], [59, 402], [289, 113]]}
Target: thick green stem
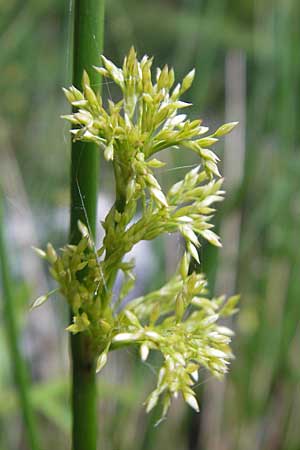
{"points": [[88, 45], [19, 368]]}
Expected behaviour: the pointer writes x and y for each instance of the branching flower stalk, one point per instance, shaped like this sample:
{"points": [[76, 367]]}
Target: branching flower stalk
{"points": [[179, 319]]}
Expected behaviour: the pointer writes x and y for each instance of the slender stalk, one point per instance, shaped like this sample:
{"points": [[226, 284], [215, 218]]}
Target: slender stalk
{"points": [[88, 44], [19, 368], [120, 191]]}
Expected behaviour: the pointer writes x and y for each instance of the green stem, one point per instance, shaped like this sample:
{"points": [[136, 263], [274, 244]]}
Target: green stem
{"points": [[120, 186], [88, 45], [19, 368]]}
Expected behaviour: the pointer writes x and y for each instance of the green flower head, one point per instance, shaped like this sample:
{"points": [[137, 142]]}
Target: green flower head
{"points": [[178, 320]]}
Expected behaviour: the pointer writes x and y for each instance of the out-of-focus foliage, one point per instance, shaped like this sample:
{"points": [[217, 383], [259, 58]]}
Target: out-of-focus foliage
{"points": [[260, 401]]}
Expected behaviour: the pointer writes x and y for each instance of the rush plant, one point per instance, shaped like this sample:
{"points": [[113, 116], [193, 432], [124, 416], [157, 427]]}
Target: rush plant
{"points": [[179, 320]]}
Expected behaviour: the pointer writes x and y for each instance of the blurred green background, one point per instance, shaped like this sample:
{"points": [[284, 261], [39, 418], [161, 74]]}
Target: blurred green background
{"points": [[247, 59]]}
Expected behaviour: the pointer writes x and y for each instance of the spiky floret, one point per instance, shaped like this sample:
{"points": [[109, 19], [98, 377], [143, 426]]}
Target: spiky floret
{"points": [[178, 320]]}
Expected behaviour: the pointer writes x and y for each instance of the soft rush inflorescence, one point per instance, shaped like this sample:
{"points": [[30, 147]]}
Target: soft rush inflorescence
{"points": [[179, 319]]}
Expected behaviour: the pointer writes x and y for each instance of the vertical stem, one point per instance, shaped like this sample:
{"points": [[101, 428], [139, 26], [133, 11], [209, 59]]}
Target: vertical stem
{"points": [[88, 45], [19, 368], [230, 227]]}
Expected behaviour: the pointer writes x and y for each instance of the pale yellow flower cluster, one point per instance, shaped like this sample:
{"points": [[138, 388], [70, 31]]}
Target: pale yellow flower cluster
{"points": [[178, 320]]}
